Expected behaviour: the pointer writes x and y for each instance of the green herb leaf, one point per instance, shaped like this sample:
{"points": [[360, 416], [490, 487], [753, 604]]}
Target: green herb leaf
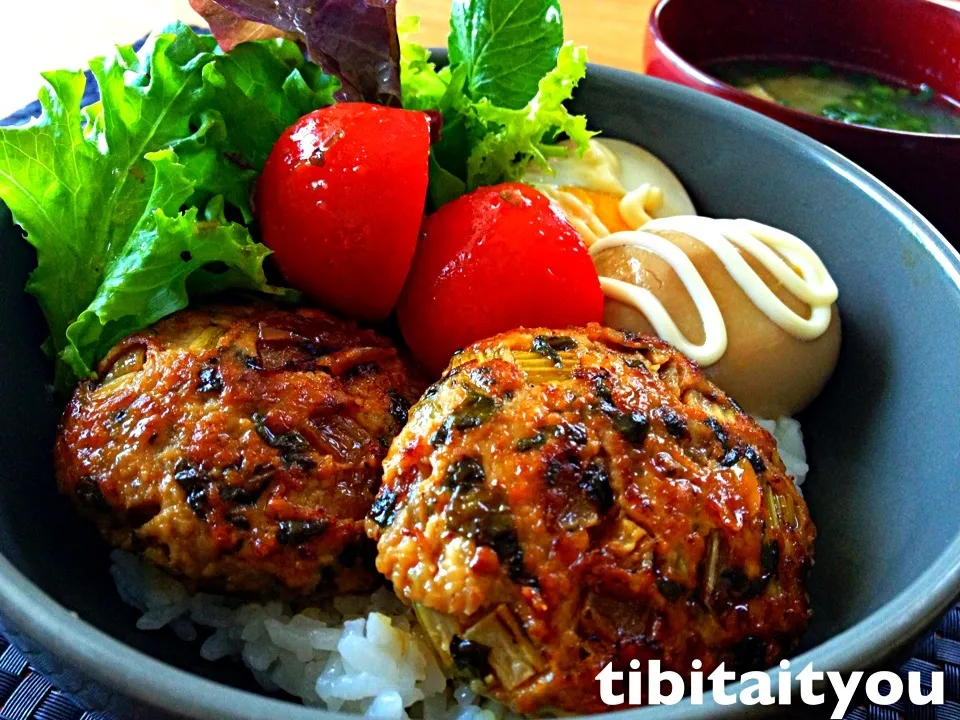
{"points": [[474, 411], [534, 441], [551, 346], [507, 46]]}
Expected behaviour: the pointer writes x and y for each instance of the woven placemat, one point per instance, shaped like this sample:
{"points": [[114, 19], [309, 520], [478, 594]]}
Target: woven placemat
{"points": [[27, 695]]}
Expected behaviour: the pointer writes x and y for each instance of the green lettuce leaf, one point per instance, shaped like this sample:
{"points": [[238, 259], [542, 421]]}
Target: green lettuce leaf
{"points": [[125, 201], [421, 84], [145, 279], [444, 91], [507, 46], [261, 89], [250, 96], [510, 139]]}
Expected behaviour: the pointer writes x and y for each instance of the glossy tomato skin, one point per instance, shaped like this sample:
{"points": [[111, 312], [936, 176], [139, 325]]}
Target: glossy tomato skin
{"points": [[340, 202], [496, 259]]}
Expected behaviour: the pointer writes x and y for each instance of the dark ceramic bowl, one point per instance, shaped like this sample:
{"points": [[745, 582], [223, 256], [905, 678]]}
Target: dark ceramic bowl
{"points": [[914, 41], [882, 438]]}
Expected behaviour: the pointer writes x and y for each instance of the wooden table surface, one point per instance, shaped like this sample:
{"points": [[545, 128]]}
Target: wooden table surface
{"points": [[612, 30], [36, 36]]}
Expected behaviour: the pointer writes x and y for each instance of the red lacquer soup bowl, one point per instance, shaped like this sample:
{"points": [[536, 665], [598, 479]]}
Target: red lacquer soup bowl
{"points": [[912, 41]]}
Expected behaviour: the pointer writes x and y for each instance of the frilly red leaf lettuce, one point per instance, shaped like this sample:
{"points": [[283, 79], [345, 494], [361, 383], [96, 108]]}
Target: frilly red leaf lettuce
{"points": [[230, 30], [355, 40]]}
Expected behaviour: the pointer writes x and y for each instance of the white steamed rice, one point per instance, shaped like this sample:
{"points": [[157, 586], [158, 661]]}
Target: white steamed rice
{"points": [[789, 439], [360, 654]]}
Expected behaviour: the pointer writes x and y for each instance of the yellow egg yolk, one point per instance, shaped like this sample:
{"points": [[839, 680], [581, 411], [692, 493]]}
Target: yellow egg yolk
{"points": [[605, 206]]}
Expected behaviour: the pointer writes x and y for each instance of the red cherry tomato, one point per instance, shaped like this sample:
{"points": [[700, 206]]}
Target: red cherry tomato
{"points": [[340, 202], [499, 258]]}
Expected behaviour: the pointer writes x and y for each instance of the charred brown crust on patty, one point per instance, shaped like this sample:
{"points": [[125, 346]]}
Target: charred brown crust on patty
{"points": [[240, 448], [564, 500]]}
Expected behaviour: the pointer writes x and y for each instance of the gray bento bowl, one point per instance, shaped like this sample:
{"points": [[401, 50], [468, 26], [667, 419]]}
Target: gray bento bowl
{"points": [[883, 437]]}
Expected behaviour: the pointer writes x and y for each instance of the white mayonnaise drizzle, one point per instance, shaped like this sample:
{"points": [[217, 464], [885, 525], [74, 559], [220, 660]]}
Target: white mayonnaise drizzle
{"points": [[639, 206], [781, 253]]}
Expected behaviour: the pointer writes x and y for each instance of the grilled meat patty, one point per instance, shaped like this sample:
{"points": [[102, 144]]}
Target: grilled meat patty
{"points": [[563, 500], [240, 447]]}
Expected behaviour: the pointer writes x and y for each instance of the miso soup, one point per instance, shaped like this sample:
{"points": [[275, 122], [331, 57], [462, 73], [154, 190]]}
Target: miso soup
{"points": [[844, 95]]}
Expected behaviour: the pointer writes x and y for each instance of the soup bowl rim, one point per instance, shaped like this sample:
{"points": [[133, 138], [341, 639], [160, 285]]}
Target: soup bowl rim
{"points": [[742, 97]]}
